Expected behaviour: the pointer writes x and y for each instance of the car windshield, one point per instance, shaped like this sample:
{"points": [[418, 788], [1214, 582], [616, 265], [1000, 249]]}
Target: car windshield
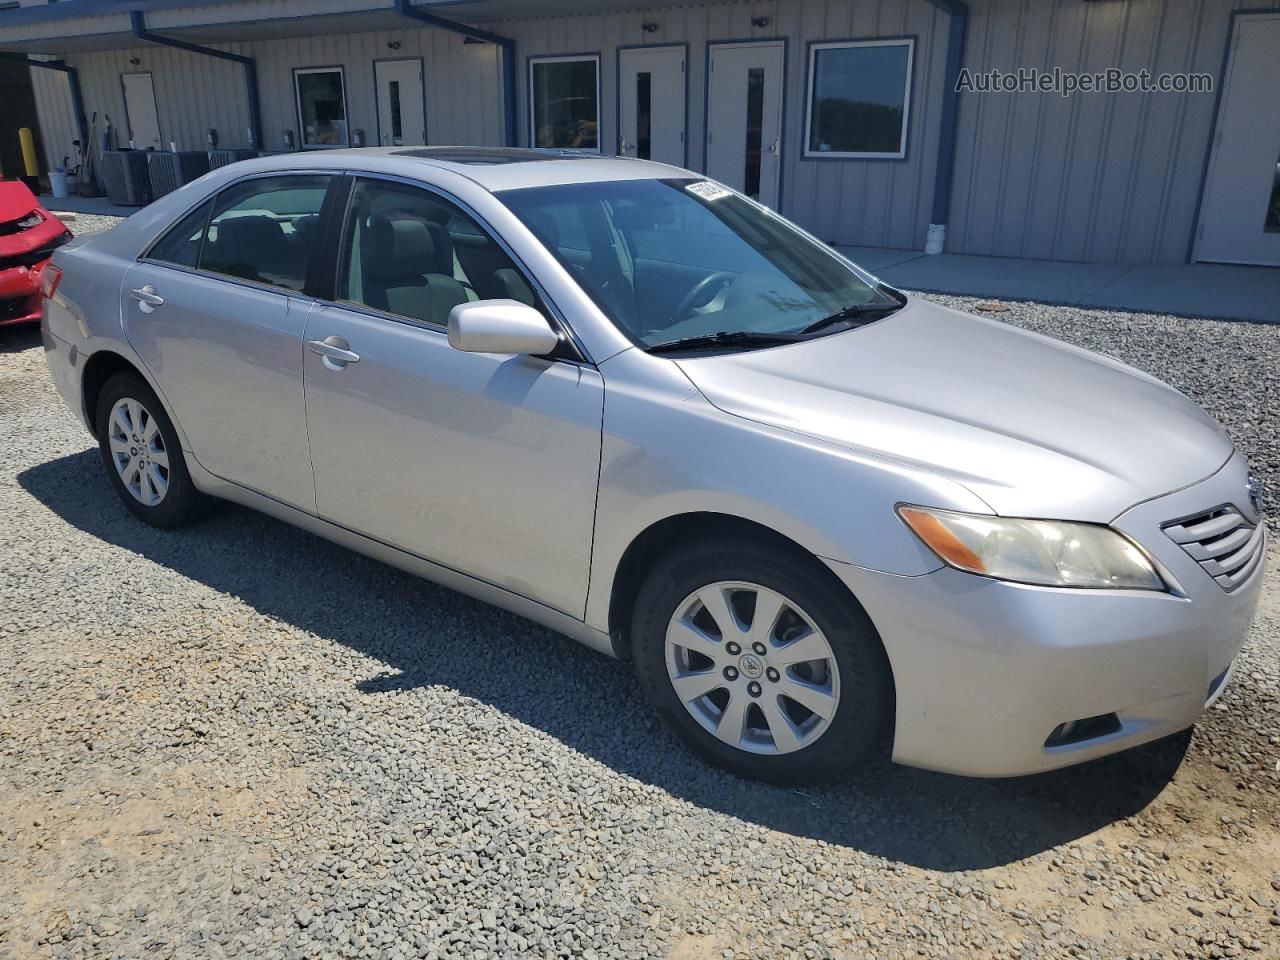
{"points": [[688, 261]]}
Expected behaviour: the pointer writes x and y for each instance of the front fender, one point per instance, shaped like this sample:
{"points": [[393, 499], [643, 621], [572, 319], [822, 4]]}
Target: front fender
{"points": [[667, 451]]}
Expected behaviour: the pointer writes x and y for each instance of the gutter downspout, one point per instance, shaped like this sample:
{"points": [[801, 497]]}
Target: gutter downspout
{"points": [[140, 31], [405, 8], [944, 176], [73, 81]]}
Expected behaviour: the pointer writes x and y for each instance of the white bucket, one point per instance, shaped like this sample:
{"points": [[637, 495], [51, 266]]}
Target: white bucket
{"points": [[58, 183]]}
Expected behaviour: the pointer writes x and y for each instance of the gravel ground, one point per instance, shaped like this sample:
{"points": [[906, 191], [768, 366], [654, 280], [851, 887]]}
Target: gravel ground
{"points": [[86, 222], [238, 740]]}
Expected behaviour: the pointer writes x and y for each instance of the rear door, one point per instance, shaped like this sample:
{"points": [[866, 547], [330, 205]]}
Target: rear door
{"points": [[216, 311], [484, 463]]}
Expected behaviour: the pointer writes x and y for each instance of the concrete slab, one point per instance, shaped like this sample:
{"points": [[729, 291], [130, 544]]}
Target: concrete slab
{"points": [[877, 259], [1217, 291], [1220, 290]]}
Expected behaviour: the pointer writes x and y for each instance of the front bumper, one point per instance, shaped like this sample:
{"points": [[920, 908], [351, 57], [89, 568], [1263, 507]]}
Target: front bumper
{"points": [[20, 294], [985, 671]]}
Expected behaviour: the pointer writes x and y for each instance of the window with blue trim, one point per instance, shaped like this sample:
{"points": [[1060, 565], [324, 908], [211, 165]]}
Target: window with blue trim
{"points": [[859, 99]]}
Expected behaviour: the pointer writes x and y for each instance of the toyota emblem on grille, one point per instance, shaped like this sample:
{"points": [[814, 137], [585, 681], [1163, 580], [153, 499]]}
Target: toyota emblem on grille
{"points": [[1254, 488]]}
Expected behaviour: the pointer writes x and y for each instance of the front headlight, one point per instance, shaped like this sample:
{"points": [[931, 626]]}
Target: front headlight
{"points": [[1050, 553]]}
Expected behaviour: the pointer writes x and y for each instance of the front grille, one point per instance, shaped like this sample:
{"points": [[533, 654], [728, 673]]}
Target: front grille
{"points": [[1222, 541]]}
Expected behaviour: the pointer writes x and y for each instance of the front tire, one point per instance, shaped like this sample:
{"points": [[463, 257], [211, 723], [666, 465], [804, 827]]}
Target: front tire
{"points": [[760, 662], [142, 455]]}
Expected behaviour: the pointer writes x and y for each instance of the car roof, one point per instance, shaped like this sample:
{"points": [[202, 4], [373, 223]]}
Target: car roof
{"points": [[493, 168]]}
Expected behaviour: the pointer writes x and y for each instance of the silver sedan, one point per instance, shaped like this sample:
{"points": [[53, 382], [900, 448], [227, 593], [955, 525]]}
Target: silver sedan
{"points": [[824, 519]]}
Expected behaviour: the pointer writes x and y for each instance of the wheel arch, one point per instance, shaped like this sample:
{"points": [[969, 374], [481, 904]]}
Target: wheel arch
{"points": [[98, 369], [669, 532], [101, 367]]}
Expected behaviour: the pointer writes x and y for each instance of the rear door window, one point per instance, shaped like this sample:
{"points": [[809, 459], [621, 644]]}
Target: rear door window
{"points": [[181, 245], [265, 230]]}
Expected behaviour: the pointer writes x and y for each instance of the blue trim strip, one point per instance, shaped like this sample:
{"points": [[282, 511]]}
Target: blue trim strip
{"points": [[948, 127], [78, 9], [405, 8], [73, 81], [138, 22]]}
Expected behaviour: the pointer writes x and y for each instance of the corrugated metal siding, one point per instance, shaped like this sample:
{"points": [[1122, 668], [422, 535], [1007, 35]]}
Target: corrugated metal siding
{"points": [[875, 203], [195, 92], [1090, 178], [1093, 177]]}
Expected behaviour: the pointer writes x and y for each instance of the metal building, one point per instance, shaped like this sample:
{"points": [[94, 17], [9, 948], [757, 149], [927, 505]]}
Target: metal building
{"points": [[843, 114]]}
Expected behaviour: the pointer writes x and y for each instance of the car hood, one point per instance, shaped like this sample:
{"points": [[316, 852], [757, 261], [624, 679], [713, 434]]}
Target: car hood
{"points": [[1033, 426], [16, 203]]}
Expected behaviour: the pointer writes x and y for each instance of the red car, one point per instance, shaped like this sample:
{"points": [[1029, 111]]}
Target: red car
{"points": [[28, 236]]}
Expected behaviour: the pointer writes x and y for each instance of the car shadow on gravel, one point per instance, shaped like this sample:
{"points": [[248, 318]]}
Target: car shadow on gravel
{"points": [[430, 636], [15, 339]]}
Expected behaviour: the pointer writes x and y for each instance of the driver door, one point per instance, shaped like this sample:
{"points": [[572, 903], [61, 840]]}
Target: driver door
{"points": [[484, 463]]}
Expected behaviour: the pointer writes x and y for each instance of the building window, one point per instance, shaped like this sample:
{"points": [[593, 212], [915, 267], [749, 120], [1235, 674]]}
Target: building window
{"points": [[322, 107], [564, 102], [859, 99]]}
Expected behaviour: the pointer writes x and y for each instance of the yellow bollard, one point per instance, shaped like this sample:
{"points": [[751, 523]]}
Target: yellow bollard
{"points": [[28, 151]]}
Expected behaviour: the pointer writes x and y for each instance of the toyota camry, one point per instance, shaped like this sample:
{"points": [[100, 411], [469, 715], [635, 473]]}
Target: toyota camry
{"points": [[823, 518]]}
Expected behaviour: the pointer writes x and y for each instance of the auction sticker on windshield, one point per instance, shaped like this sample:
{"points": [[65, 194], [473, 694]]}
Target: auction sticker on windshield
{"points": [[708, 190]]}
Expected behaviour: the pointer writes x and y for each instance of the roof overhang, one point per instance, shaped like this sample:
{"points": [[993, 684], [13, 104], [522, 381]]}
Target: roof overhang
{"points": [[77, 26]]}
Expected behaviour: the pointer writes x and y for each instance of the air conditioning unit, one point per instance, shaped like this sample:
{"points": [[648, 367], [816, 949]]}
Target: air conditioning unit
{"points": [[171, 170], [124, 174], [220, 157]]}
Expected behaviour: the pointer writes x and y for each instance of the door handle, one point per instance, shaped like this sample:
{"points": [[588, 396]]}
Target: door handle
{"points": [[773, 147], [625, 145], [147, 298], [335, 350]]}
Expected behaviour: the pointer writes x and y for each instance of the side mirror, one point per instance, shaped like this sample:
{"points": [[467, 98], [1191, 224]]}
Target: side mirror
{"points": [[500, 326]]}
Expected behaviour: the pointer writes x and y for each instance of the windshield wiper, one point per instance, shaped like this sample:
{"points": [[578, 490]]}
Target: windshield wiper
{"points": [[852, 312], [726, 338]]}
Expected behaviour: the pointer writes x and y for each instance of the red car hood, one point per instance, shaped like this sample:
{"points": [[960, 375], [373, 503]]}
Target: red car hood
{"points": [[16, 203]]}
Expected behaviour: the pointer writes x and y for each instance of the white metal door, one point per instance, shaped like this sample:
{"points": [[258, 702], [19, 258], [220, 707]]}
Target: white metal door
{"points": [[1240, 214], [140, 110], [651, 95], [744, 117], [401, 102]]}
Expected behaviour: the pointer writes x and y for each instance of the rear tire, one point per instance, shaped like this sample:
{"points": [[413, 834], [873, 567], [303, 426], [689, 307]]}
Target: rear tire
{"points": [[142, 455], [731, 688]]}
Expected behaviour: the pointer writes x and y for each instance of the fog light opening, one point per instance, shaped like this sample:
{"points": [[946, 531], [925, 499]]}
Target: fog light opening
{"points": [[1078, 731]]}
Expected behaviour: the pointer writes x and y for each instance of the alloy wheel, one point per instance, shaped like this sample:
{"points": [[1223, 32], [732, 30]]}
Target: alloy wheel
{"points": [[752, 667], [138, 451]]}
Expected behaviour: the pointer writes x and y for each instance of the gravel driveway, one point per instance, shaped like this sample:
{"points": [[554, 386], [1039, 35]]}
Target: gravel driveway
{"points": [[238, 740]]}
